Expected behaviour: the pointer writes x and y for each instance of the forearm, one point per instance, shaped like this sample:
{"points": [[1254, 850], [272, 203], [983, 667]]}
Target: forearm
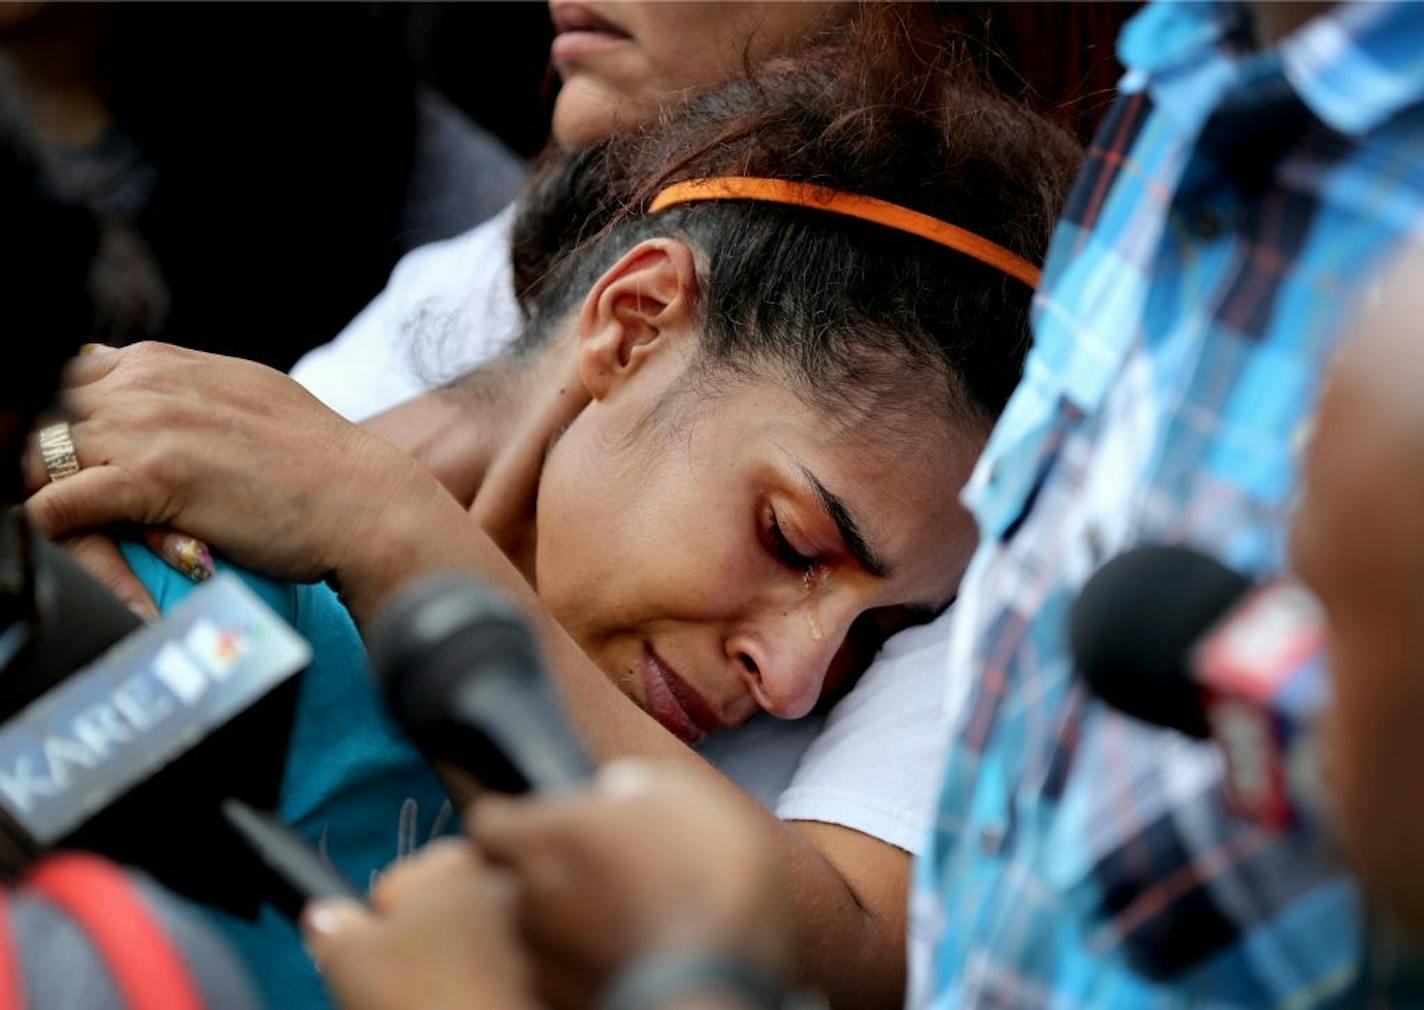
{"points": [[848, 932]]}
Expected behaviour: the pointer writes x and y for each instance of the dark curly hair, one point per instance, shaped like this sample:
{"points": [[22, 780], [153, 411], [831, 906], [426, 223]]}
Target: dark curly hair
{"points": [[858, 316]]}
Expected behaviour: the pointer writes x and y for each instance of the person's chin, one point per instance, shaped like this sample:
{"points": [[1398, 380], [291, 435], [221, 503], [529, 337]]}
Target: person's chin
{"points": [[589, 109]]}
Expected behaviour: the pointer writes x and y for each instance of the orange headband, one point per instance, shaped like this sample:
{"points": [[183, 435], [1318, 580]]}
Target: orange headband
{"points": [[865, 208]]}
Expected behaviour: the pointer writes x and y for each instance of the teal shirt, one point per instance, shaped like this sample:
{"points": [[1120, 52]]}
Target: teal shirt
{"points": [[354, 786]]}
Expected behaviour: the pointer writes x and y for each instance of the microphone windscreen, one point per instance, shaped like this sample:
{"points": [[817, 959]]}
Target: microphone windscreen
{"points": [[77, 620], [463, 675], [1133, 626], [432, 634]]}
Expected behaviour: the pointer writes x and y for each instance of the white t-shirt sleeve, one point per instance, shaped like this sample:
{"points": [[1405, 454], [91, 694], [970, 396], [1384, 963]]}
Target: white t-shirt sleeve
{"points": [[877, 763], [448, 307]]}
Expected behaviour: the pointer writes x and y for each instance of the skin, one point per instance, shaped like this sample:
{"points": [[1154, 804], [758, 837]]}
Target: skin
{"points": [[620, 62], [1276, 20], [238, 455], [590, 501], [56, 51], [449, 912], [751, 617], [1358, 541], [641, 861]]}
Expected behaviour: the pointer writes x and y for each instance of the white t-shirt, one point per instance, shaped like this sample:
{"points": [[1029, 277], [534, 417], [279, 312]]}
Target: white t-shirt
{"points": [[872, 763], [448, 307]]}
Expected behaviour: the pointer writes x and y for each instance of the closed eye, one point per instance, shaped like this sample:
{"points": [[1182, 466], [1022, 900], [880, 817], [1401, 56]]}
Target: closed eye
{"points": [[781, 549]]}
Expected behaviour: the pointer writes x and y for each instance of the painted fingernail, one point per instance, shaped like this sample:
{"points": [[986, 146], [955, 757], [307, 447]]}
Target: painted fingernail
{"points": [[325, 918], [193, 558]]}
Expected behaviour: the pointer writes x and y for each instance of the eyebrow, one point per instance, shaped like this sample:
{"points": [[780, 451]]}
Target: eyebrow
{"points": [[840, 514]]}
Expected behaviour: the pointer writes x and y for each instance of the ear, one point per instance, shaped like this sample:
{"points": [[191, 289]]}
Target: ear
{"points": [[639, 308]]}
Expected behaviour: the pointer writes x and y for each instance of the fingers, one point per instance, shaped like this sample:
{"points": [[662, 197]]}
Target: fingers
{"points": [[444, 858], [438, 935], [94, 362], [331, 924], [101, 558], [186, 555], [497, 823], [93, 497], [89, 450]]}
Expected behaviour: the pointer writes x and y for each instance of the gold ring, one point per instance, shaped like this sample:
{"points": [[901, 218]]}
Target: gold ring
{"points": [[57, 450]]}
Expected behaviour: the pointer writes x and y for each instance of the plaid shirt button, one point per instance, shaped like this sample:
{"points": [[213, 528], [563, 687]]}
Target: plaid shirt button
{"points": [[992, 836], [1207, 224]]}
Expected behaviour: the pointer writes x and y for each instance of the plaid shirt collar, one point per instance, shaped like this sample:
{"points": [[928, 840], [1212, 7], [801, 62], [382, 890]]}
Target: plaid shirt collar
{"points": [[1354, 66]]}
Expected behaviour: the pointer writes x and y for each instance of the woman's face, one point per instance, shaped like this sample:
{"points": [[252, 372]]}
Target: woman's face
{"points": [[620, 61], [713, 555]]}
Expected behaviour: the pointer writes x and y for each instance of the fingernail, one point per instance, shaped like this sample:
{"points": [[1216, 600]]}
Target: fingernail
{"points": [[326, 917], [193, 558], [323, 919], [94, 348], [147, 612]]}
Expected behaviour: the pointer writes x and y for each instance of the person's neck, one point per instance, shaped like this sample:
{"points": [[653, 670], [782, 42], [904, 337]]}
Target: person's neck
{"points": [[57, 55], [457, 430], [485, 437], [1276, 20]]}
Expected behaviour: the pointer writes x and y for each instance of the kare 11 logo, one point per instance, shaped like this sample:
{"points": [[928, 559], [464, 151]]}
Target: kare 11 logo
{"points": [[156, 694], [207, 655]]}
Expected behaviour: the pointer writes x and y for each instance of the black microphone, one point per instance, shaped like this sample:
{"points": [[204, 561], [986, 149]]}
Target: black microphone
{"points": [[73, 620], [126, 739], [1175, 638], [463, 676]]}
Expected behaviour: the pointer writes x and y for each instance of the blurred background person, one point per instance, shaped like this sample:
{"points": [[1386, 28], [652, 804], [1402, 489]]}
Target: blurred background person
{"points": [[1358, 540], [257, 171]]}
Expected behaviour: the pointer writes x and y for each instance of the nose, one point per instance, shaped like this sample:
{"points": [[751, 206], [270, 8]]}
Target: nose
{"points": [[783, 657]]}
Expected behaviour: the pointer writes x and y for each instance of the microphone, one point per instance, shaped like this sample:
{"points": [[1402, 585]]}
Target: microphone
{"points": [[463, 676], [133, 753], [1174, 638], [72, 620]]}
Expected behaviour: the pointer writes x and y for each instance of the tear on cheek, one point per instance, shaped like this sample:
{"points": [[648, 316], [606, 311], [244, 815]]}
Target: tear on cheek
{"points": [[816, 579]]}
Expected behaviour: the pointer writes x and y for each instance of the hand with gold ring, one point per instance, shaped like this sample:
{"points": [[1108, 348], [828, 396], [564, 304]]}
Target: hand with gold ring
{"points": [[241, 456], [56, 445], [98, 552]]}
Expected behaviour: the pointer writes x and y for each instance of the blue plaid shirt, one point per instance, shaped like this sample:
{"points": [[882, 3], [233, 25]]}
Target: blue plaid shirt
{"points": [[1234, 207]]}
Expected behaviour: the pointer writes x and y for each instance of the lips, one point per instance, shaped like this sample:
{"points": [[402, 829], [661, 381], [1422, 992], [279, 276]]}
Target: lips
{"points": [[675, 703], [574, 17], [581, 34]]}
